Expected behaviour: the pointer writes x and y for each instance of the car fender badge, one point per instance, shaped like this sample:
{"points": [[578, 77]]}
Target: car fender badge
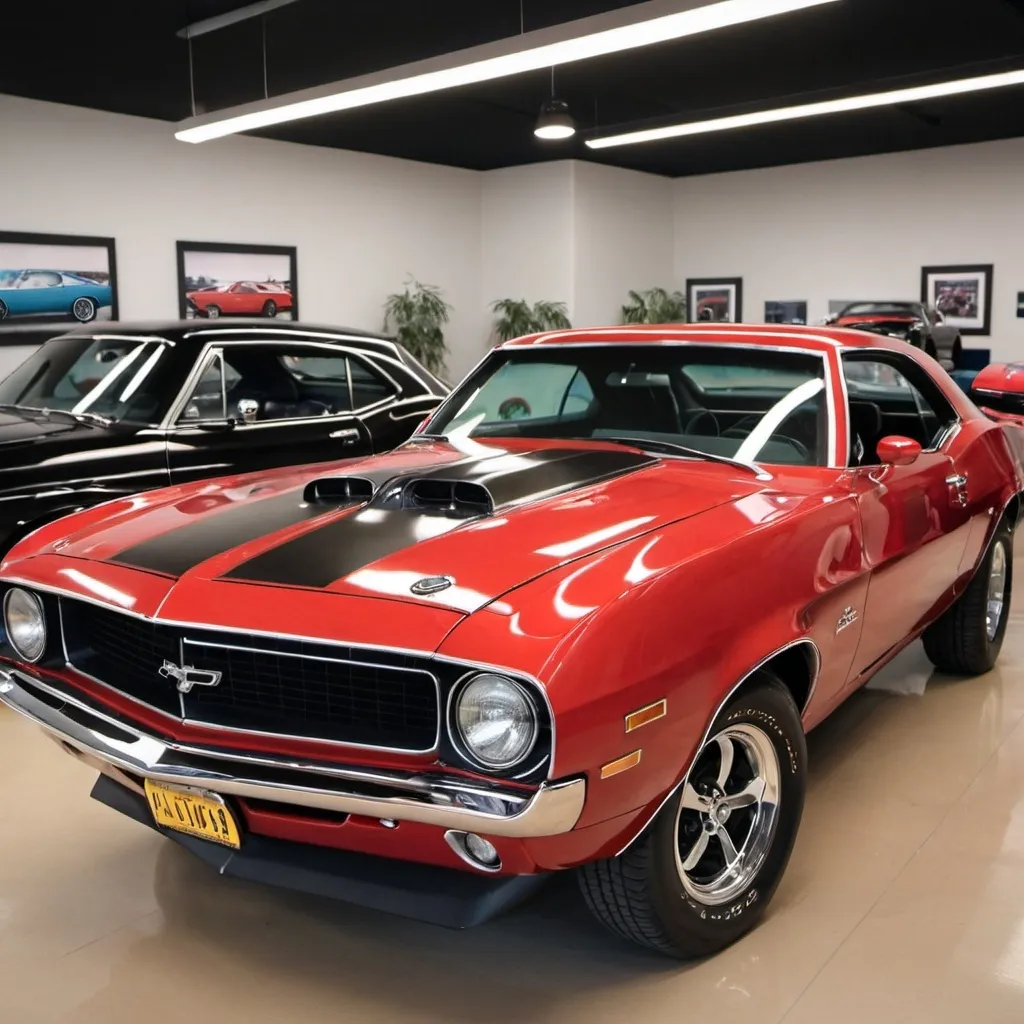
{"points": [[848, 618], [431, 585]]}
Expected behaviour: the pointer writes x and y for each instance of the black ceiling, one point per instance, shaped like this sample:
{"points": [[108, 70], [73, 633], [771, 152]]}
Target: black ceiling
{"points": [[124, 56]]}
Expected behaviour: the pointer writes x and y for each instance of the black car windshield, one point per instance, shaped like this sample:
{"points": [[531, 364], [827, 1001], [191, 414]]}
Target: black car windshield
{"points": [[745, 403], [111, 377], [881, 309]]}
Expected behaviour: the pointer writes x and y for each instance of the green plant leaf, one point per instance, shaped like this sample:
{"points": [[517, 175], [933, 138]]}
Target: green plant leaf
{"points": [[655, 306], [416, 315]]}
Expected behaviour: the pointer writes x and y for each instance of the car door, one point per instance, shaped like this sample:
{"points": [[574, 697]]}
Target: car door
{"points": [[44, 292], [915, 518], [260, 405]]}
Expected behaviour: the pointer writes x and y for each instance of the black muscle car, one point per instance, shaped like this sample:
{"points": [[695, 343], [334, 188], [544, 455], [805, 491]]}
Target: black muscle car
{"points": [[922, 326], [99, 413]]}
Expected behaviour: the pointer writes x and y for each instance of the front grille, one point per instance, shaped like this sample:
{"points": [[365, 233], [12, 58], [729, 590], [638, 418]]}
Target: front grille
{"points": [[267, 684]]}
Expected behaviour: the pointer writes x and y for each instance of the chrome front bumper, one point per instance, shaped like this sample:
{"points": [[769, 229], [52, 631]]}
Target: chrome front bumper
{"points": [[427, 797]]}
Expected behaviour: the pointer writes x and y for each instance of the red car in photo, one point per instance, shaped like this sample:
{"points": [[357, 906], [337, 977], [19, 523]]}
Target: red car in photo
{"points": [[243, 298], [586, 630]]}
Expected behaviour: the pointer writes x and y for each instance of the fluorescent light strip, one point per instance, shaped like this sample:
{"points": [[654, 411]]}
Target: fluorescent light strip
{"points": [[488, 62], [878, 99]]}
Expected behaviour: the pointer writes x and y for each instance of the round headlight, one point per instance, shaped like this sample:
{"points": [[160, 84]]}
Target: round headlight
{"points": [[25, 623], [496, 720]]}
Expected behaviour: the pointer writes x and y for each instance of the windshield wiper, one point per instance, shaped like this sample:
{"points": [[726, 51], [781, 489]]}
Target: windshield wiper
{"points": [[670, 448]]}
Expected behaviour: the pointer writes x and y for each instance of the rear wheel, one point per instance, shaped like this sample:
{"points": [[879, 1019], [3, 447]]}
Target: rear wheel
{"points": [[966, 639], [706, 868], [270, 308], [3, 310], [83, 309]]}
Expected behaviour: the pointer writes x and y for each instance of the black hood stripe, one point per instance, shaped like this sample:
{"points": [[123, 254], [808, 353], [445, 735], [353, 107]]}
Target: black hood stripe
{"points": [[177, 551], [342, 546]]}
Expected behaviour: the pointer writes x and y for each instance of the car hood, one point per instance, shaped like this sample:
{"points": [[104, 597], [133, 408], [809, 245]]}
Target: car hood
{"points": [[426, 525], [877, 318]]}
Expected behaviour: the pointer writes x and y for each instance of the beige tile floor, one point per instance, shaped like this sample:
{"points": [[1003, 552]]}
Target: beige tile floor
{"points": [[904, 902]]}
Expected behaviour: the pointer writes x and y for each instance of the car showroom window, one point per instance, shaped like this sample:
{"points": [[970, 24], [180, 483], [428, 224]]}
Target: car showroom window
{"points": [[892, 396]]}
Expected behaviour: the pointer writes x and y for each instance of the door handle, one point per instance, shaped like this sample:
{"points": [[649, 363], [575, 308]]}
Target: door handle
{"points": [[348, 435], [957, 484]]}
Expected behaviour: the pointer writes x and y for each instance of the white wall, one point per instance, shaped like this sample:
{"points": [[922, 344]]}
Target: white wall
{"points": [[361, 223], [861, 229], [622, 239]]}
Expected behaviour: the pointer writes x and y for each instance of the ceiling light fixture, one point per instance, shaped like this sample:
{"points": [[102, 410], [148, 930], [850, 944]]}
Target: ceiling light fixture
{"points": [[555, 121], [626, 28], [866, 102]]}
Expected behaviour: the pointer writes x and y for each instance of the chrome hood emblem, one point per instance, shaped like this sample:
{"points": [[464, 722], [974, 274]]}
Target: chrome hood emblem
{"points": [[431, 585], [187, 676]]}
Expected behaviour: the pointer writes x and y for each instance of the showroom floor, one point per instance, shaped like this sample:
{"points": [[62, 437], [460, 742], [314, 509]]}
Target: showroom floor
{"points": [[904, 902]]}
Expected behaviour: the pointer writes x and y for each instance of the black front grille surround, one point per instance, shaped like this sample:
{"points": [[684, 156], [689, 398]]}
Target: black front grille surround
{"points": [[267, 684]]}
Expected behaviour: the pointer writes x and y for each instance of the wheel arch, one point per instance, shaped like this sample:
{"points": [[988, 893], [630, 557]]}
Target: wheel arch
{"points": [[797, 665]]}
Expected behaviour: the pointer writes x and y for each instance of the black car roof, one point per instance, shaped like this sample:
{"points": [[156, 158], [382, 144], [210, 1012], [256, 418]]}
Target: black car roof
{"points": [[200, 330]]}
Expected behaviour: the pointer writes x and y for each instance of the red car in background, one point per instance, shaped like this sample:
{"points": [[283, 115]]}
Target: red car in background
{"points": [[584, 630], [243, 298]]}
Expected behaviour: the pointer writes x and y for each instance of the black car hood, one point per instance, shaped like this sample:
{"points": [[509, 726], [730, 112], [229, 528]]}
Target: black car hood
{"points": [[22, 428]]}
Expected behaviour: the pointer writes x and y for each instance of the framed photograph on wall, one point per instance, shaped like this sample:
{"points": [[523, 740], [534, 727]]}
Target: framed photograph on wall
{"points": [[218, 279], [785, 312], [962, 294], [717, 299], [57, 278]]}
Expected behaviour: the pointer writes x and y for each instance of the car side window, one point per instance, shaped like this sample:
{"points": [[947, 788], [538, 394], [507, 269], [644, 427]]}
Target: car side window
{"points": [[208, 400], [41, 279], [892, 395], [368, 386]]}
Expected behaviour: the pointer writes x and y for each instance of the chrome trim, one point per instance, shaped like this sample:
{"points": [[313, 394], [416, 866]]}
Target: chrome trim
{"points": [[718, 710], [428, 798]]}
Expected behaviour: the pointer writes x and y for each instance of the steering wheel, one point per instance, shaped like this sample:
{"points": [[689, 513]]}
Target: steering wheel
{"points": [[742, 427], [697, 417], [802, 450]]}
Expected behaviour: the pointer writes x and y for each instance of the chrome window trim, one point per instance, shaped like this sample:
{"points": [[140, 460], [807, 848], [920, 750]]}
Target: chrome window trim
{"points": [[718, 710], [172, 420]]}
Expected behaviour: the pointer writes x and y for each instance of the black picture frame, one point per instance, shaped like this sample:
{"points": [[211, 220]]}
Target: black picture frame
{"points": [[981, 273], [727, 284], [80, 241], [290, 251]]}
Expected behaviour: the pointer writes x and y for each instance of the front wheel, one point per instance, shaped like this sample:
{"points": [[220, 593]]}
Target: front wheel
{"points": [[3, 310], [706, 868], [967, 638], [83, 309], [213, 312]]}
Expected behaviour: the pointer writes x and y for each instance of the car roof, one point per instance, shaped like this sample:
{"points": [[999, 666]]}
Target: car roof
{"points": [[199, 331], [818, 339]]}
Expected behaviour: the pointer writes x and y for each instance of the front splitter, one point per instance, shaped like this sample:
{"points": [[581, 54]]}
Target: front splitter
{"points": [[424, 892]]}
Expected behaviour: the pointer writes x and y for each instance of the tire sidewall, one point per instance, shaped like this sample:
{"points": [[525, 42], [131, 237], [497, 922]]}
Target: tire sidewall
{"points": [[93, 309], [270, 308], [1002, 536], [688, 922]]}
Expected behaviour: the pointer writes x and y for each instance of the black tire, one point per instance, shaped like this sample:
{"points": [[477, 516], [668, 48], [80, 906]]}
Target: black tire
{"points": [[641, 896], [84, 309], [3, 310], [960, 642], [270, 308]]}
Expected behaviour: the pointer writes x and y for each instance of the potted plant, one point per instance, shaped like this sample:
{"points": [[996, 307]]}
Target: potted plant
{"points": [[516, 317], [656, 306], [416, 316]]}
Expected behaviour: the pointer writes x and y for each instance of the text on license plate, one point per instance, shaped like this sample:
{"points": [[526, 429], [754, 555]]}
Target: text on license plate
{"points": [[198, 813]]}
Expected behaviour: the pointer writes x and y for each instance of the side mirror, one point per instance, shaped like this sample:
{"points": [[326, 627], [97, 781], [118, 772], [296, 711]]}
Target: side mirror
{"points": [[898, 451], [248, 409]]}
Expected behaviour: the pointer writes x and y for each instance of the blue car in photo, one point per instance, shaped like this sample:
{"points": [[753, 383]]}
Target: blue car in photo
{"points": [[56, 293]]}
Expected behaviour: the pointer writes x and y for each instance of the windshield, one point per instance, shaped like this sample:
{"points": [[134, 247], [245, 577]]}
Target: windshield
{"points": [[880, 309], [116, 378], [744, 403]]}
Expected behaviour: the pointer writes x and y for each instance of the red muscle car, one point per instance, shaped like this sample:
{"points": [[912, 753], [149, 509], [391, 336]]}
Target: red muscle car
{"points": [[588, 636], [243, 298]]}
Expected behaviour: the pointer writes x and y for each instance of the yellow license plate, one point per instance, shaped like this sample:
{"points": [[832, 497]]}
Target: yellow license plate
{"points": [[193, 811]]}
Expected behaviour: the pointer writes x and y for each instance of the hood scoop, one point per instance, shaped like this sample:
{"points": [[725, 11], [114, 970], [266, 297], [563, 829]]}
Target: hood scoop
{"points": [[457, 499], [339, 490]]}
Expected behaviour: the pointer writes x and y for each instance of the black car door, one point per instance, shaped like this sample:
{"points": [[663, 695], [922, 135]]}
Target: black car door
{"points": [[261, 404]]}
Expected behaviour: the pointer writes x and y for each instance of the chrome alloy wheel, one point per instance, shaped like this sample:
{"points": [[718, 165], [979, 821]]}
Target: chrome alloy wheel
{"points": [[83, 309], [996, 590], [727, 815]]}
